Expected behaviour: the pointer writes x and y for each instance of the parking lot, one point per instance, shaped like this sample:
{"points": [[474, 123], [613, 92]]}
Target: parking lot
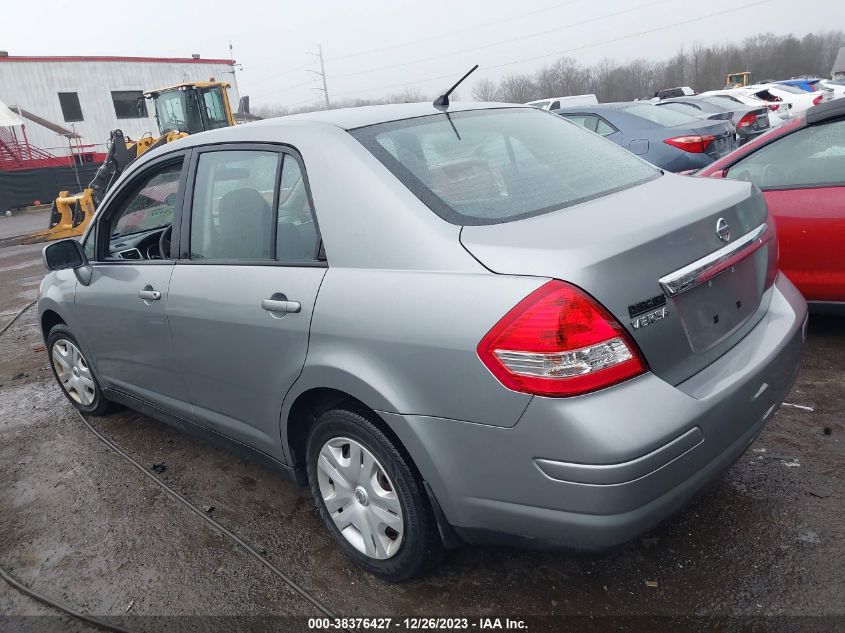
{"points": [[81, 525]]}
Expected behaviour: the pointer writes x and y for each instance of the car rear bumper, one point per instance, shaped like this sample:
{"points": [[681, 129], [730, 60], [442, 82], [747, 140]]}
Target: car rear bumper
{"points": [[598, 470]]}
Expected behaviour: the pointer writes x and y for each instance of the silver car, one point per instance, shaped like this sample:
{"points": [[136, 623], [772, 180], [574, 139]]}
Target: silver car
{"points": [[456, 324]]}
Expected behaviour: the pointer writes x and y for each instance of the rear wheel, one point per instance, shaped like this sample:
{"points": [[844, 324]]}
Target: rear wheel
{"points": [[74, 373], [368, 496]]}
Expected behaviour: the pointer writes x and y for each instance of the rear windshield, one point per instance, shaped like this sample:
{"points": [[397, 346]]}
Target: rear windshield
{"points": [[683, 108], [660, 115], [723, 100], [493, 166], [791, 89]]}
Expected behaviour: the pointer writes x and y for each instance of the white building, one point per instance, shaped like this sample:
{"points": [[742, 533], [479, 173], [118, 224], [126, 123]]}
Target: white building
{"points": [[92, 96]]}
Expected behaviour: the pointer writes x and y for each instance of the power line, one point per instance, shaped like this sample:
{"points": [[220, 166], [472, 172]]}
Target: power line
{"points": [[463, 30], [570, 50], [506, 41], [627, 37]]}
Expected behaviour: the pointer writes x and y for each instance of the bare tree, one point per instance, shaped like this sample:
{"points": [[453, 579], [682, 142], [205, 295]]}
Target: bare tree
{"points": [[485, 90], [766, 55], [518, 88]]}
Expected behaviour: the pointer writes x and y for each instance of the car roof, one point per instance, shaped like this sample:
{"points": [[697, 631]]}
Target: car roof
{"points": [[351, 118]]}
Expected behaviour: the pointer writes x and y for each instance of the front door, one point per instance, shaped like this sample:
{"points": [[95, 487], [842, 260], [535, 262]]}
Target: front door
{"points": [[242, 294], [121, 313]]}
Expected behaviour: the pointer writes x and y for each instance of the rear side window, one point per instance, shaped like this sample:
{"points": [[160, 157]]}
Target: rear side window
{"points": [[661, 115], [588, 121], [232, 212], [493, 166]]}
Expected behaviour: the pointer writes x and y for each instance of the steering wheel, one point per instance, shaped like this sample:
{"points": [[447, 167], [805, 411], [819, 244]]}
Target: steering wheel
{"points": [[164, 242]]}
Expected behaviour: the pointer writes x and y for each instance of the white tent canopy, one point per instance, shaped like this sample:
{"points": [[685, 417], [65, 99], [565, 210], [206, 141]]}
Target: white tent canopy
{"points": [[8, 118]]}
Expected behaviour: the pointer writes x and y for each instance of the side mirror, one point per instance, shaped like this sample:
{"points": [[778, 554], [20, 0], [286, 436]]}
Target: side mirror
{"points": [[64, 254]]}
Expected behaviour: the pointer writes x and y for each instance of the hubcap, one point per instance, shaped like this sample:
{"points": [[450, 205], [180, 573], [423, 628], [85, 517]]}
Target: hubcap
{"points": [[360, 498], [73, 372]]}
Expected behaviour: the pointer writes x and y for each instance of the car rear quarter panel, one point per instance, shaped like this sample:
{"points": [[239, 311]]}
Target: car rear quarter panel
{"points": [[405, 342]]}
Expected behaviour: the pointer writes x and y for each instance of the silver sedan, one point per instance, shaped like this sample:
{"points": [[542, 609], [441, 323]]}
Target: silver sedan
{"points": [[457, 324]]}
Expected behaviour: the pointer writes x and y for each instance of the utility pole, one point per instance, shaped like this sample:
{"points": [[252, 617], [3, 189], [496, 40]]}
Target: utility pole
{"points": [[322, 74]]}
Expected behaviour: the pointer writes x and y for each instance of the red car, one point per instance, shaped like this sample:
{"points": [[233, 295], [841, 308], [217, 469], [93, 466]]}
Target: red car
{"points": [[801, 169]]}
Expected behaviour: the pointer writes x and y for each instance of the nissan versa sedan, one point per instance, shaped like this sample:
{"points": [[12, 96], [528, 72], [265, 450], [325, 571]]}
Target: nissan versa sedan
{"points": [[464, 323]]}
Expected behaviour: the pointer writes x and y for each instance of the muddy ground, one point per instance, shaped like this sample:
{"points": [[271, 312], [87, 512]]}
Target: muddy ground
{"points": [[78, 523]]}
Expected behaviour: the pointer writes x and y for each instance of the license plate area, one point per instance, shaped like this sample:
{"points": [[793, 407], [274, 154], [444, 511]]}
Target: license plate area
{"points": [[714, 310]]}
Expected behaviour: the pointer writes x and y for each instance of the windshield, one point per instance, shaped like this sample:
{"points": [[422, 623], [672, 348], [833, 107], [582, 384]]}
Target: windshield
{"points": [[177, 111], [492, 166], [660, 115]]}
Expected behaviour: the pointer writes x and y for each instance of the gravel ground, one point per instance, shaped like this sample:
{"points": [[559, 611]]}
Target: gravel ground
{"points": [[80, 524]]}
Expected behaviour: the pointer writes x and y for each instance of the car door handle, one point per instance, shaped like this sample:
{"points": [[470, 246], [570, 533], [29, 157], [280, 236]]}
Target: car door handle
{"points": [[283, 306], [149, 295]]}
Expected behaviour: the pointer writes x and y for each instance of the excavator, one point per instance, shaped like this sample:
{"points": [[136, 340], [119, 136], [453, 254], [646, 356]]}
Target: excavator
{"points": [[180, 110]]}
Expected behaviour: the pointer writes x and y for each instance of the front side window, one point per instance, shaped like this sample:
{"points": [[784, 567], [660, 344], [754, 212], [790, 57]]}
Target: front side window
{"points": [[129, 104], [232, 211], [492, 166], [149, 207], [811, 156]]}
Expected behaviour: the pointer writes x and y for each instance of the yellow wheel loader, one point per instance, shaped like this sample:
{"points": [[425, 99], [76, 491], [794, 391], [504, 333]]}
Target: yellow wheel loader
{"points": [[180, 110]]}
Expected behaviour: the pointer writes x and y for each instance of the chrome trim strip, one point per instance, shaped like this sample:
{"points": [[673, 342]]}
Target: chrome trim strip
{"points": [[709, 266]]}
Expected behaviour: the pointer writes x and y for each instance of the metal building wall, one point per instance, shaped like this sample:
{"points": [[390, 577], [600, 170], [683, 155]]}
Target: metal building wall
{"points": [[34, 85]]}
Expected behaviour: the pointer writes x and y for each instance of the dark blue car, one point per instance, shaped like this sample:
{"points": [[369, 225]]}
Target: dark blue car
{"points": [[671, 140]]}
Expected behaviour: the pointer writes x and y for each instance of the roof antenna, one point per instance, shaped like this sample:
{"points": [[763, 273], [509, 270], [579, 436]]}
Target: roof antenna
{"points": [[443, 100]]}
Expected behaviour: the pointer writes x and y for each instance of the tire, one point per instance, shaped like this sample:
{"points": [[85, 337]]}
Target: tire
{"points": [[83, 390], [391, 486]]}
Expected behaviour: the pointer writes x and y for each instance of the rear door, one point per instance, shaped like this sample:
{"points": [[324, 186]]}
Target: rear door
{"points": [[244, 288], [802, 175]]}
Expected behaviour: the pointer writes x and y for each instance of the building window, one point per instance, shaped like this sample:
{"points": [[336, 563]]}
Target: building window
{"points": [[129, 104], [71, 110]]}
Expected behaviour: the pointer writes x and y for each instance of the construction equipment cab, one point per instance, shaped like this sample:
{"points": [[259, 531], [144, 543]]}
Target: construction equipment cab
{"points": [[180, 110], [192, 107]]}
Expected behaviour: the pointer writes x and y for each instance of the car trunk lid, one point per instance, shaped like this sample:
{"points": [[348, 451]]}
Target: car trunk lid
{"points": [[632, 251], [723, 134]]}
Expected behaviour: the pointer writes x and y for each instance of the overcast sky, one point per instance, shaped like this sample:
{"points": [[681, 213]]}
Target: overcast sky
{"points": [[374, 47]]}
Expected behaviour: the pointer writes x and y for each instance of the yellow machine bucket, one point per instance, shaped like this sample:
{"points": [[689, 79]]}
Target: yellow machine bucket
{"points": [[69, 217]]}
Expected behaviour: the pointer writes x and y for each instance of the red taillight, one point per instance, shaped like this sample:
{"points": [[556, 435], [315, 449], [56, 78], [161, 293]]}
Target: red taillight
{"points": [[774, 107], [747, 120], [559, 342], [694, 144], [818, 99]]}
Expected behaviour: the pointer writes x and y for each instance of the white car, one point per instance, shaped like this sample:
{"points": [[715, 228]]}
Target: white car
{"points": [[555, 103], [798, 100], [838, 87], [779, 113]]}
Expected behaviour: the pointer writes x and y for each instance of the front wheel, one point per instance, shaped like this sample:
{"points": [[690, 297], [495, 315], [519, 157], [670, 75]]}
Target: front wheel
{"points": [[369, 497], [73, 372]]}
